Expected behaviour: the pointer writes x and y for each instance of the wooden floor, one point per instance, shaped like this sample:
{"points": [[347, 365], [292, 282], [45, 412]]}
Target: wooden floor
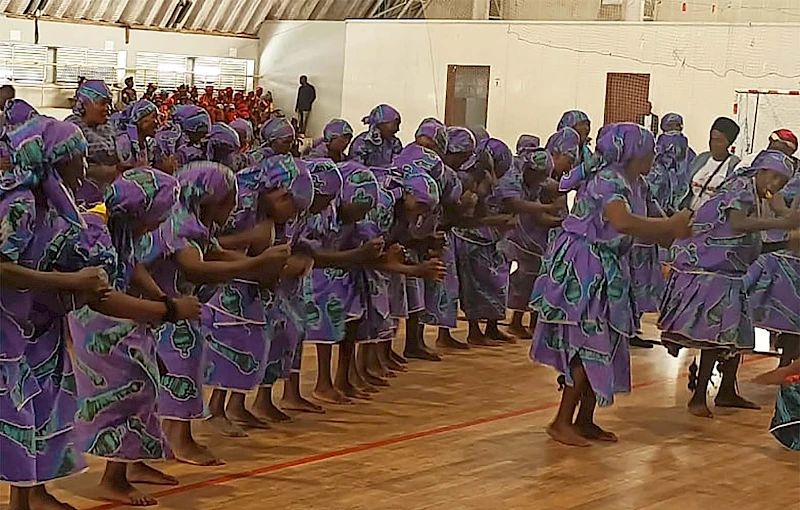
{"points": [[467, 433]]}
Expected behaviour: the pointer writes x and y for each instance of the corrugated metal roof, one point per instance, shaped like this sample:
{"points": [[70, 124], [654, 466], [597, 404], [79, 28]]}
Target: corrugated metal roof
{"points": [[214, 16]]}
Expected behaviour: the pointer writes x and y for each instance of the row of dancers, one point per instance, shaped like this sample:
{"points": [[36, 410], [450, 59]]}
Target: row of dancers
{"points": [[191, 262]]}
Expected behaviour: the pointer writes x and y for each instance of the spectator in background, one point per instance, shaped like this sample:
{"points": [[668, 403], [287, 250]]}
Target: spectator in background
{"points": [[710, 168], [648, 119], [128, 94], [7, 93], [306, 95]]}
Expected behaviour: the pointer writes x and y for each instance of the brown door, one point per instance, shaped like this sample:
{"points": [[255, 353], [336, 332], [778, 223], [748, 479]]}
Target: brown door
{"points": [[467, 100], [626, 97]]}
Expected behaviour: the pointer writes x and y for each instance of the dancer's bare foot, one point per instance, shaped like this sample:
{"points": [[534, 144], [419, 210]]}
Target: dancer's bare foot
{"points": [[139, 472], [394, 366], [226, 427], [421, 353], [120, 490], [566, 435], [735, 401], [300, 404], [397, 358], [699, 407], [373, 378], [270, 413], [594, 432], [246, 419], [40, 499], [520, 331], [349, 390], [494, 333], [331, 396], [448, 342], [195, 454], [480, 340]]}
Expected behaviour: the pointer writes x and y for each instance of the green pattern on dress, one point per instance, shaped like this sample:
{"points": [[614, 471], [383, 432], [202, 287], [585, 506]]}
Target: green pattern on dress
{"points": [[184, 339], [244, 361], [152, 445], [25, 437], [231, 301], [103, 342], [89, 408], [69, 459], [108, 441], [149, 368], [179, 386]]}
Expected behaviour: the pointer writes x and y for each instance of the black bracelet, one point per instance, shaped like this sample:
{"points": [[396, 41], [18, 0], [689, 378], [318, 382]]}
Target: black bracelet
{"points": [[172, 311]]}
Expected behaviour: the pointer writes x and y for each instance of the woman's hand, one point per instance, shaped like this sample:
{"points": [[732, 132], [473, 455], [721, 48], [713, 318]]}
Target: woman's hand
{"points": [[372, 249], [681, 224], [432, 270], [187, 308], [794, 241], [791, 221], [93, 281], [278, 254]]}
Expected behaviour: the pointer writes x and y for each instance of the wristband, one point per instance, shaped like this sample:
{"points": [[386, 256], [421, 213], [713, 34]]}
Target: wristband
{"points": [[172, 312]]}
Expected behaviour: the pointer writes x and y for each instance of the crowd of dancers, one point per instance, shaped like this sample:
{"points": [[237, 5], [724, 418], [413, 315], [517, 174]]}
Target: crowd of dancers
{"points": [[144, 259]]}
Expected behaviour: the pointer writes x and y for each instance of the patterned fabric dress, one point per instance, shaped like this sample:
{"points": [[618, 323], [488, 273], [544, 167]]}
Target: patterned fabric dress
{"points": [[369, 148], [130, 152], [115, 360], [785, 424], [645, 262], [705, 303], [482, 266], [584, 295], [37, 382], [773, 281], [192, 120], [526, 243], [181, 345]]}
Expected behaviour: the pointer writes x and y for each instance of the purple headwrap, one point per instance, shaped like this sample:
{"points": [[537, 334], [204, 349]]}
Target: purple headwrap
{"points": [[18, 112], [619, 144], [776, 161], [280, 171], [140, 196], [436, 131], [565, 141], [326, 177], [527, 142], [37, 146], [91, 91], [417, 182], [204, 182], [125, 123], [276, 128], [572, 118], [222, 136], [479, 133], [167, 137], [359, 184], [498, 151], [460, 140], [337, 128], [191, 118], [379, 115], [671, 118], [537, 160], [245, 130]]}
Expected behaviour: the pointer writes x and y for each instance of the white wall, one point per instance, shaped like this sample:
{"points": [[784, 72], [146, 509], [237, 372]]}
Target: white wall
{"points": [[290, 49], [539, 70]]}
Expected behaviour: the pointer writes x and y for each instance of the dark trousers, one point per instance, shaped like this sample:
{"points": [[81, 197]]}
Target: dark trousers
{"points": [[303, 120]]}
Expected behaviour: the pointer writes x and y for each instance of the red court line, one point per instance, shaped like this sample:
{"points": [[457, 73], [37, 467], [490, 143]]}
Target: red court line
{"points": [[350, 450]]}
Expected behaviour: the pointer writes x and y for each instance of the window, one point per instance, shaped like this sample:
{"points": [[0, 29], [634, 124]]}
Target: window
{"points": [[22, 63], [222, 72], [166, 70], [93, 64]]}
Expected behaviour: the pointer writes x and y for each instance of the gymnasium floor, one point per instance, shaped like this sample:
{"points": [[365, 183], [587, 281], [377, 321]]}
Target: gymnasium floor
{"points": [[468, 433]]}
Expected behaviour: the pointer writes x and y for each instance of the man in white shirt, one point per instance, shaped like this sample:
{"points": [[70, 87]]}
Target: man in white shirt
{"points": [[710, 168]]}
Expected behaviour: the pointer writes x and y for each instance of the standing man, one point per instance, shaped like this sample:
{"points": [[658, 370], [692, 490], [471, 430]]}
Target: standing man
{"points": [[128, 94], [306, 95], [648, 119], [710, 168]]}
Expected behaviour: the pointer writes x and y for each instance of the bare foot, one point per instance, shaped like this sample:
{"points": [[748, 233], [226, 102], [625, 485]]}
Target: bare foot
{"points": [[271, 413], [735, 401], [566, 435], [40, 499], [700, 408], [302, 405], [139, 472], [226, 427], [375, 380], [195, 454], [348, 390], [246, 419], [481, 341], [499, 336], [396, 357], [448, 342], [520, 331], [422, 354], [394, 366], [121, 491], [331, 396], [594, 432]]}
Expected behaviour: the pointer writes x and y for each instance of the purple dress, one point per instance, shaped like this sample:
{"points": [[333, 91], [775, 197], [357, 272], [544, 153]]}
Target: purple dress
{"points": [[370, 149], [234, 323], [705, 304], [584, 296], [102, 140], [645, 262]]}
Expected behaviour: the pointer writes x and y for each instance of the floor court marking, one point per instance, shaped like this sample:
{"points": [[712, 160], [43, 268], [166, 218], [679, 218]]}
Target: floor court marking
{"points": [[374, 445]]}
